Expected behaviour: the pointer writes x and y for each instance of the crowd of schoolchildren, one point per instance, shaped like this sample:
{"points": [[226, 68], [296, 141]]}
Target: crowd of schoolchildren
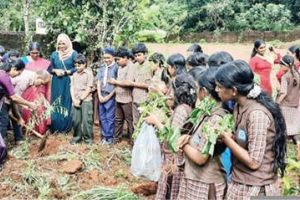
{"points": [[29, 85]]}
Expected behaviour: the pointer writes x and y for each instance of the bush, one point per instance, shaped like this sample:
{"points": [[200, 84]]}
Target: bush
{"points": [[151, 35]]}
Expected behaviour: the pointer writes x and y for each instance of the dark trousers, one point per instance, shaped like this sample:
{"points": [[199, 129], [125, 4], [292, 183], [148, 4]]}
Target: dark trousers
{"points": [[4, 120], [123, 112], [107, 112], [83, 121], [135, 113], [4, 124]]}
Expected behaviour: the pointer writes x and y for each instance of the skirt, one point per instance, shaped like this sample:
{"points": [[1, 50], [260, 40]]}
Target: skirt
{"points": [[291, 116], [193, 189]]}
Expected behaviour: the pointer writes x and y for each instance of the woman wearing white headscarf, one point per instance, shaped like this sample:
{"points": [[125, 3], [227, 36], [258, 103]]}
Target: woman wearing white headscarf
{"points": [[62, 66]]}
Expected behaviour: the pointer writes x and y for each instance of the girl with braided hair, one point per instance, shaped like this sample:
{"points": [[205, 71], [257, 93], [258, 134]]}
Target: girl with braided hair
{"points": [[172, 170], [258, 144], [289, 95]]}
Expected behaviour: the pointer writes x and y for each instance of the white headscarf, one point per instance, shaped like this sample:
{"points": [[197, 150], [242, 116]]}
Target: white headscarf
{"points": [[68, 51]]}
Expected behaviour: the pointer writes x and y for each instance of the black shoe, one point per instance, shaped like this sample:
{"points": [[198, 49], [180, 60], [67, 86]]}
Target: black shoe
{"points": [[75, 141], [89, 142]]}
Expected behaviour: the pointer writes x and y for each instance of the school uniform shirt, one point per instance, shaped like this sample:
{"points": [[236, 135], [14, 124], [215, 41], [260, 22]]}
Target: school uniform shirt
{"points": [[82, 82], [289, 105], [180, 116], [141, 74], [124, 94], [23, 81], [255, 132], [197, 179], [156, 81], [104, 74], [263, 68], [292, 92]]}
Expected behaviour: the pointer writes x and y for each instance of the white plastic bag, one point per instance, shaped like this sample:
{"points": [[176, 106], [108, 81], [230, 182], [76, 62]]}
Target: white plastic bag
{"points": [[146, 154]]}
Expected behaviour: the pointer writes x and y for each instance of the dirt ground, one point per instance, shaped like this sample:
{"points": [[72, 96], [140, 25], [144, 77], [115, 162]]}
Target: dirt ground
{"points": [[61, 170], [237, 50]]}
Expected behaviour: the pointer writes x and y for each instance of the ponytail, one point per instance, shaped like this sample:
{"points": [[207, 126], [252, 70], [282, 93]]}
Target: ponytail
{"points": [[279, 145]]}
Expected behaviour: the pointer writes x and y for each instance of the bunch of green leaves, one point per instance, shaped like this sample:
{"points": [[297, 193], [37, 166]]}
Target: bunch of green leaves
{"points": [[155, 104], [171, 136], [104, 193], [212, 132], [55, 107], [204, 108]]}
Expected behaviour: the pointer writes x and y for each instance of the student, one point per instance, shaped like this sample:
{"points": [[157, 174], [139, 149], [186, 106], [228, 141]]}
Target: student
{"points": [[123, 94], [197, 59], [203, 173], [261, 66], [81, 87], [288, 97], [258, 145], [292, 51], [159, 76], [2, 53], [10, 70], [140, 79], [185, 99], [194, 48], [106, 95], [176, 65], [219, 58]]}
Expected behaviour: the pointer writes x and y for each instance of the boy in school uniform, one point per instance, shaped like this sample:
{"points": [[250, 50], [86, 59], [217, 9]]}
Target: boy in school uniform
{"points": [[106, 95], [140, 79], [81, 87], [123, 94]]}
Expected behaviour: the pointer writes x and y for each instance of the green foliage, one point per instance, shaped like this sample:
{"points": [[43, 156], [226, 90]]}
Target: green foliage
{"points": [[151, 35], [235, 15], [170, 135], [204, 108], [270, 17], [212, 132], [156, 105]]}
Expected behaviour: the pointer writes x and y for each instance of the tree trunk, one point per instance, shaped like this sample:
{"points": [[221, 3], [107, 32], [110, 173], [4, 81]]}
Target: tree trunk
{"points": [[26, 8]]}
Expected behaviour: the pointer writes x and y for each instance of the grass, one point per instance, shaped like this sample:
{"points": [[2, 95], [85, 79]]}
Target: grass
{"points": [[291, 180], [37, 181], [21, 152], [104, 193]]}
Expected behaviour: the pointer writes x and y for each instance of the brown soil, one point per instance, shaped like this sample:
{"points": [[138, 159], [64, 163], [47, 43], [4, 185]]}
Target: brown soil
{"points": [[145, 189], [106, 165], [73, 166]]}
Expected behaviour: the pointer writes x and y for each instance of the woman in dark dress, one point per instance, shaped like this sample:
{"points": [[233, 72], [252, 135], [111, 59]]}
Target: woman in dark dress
{"points": [[62, 66]]}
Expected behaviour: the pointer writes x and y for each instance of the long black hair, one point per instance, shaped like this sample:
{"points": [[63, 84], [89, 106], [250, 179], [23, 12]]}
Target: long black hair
{"points": [[18, 64], [237, 74], [295, 49], [185, 90], [197, 59], [207, 80], [159, 59], [257, 44], [288, 61], [195, 48], [177, 61], [219, 58]]}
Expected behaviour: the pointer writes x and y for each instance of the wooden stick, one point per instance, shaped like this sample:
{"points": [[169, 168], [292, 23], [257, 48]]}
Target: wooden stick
{"points": [[27, 127]]}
